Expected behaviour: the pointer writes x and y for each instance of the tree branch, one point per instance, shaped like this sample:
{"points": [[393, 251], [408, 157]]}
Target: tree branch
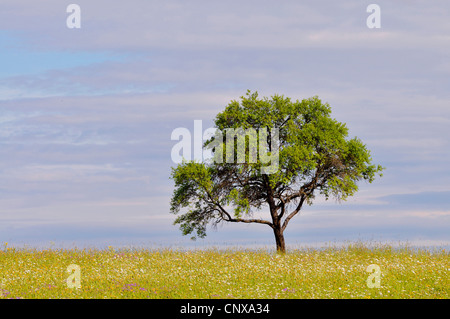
{"points": [[271, 201], [228, 216], [258, 221], [282, 205], [285, 121], [297, 209]]}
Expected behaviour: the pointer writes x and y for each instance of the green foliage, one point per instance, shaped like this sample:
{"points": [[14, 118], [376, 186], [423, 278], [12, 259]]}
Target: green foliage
{"points": [[315, 156], [193, 188]]}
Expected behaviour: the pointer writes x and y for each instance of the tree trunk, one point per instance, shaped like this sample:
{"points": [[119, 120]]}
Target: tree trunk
{"points": [[279, 239]]}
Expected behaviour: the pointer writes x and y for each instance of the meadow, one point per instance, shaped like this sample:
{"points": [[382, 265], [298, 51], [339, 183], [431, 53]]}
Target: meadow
{"points": [[234, 273]]}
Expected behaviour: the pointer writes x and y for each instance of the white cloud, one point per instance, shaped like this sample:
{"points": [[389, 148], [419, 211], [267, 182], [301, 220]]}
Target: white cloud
{"points": [[232, 24]]}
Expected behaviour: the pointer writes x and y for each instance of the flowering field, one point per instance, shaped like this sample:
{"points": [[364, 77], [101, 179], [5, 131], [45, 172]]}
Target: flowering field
{"points": [[140, 273]]}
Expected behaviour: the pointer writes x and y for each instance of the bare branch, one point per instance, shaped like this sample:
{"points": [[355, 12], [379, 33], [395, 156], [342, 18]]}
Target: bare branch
{"points": [[295, 212], [258, 221]]}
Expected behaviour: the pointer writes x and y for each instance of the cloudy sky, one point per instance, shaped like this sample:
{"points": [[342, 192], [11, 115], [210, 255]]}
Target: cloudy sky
{"points": [[86, 114]]}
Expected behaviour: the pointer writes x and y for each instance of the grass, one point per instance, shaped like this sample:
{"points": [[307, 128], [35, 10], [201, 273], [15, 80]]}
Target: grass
{"points": [[307, 273]]}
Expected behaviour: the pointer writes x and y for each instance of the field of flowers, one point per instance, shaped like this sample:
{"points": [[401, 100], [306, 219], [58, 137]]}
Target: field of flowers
{"points": [[306, 273]]}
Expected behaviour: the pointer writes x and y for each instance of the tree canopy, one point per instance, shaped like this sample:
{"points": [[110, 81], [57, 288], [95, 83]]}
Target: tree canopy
{"points": [[302, 153]]}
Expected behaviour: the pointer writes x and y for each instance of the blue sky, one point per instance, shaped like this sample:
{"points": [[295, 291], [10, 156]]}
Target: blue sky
{"points": [[19, 59], [86, 114]]}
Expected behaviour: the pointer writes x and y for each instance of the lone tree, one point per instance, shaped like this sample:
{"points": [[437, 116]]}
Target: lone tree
{"points": [[310, 149]]}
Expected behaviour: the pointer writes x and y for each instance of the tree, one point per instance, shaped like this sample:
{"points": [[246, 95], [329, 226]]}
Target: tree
{"points": [[313, 156]]}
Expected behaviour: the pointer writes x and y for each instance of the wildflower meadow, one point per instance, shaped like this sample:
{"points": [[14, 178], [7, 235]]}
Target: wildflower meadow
{"points": [[234, 273]]}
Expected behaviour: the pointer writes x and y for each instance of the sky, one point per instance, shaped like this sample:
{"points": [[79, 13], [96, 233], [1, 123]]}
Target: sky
{"points": [[86, 114]]}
